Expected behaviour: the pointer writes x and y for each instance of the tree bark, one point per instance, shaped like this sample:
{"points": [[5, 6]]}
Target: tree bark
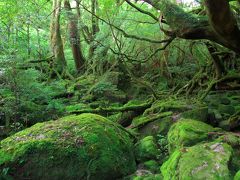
{"points": [[219, 67], [74, 37], [219, 25], [95, 28], [56, 39]]}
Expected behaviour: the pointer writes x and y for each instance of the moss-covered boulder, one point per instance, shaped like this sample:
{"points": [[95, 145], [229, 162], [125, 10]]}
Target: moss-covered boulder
{"points": [[146, 149], [187, 132], [203, 161], [86, 146], [233, 140]]}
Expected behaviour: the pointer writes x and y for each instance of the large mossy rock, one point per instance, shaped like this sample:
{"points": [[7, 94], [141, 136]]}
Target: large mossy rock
{"points": [[203, 161], [86, 146], [233, 139], [146, 149], [187, 132]]}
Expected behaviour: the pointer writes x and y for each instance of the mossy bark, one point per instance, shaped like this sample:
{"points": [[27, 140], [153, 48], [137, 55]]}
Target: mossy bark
{"points": [[74, 37], [59, 63], [219, 25]]}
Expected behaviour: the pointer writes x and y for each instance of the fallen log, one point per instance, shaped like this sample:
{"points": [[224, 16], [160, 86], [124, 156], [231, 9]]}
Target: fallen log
{"points": [[100, 110]]}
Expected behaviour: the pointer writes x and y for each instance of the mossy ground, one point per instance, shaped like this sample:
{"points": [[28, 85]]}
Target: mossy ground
{"points": [[187, 132], [89, 146]]}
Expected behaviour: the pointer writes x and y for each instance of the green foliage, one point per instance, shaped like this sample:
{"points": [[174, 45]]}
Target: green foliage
{"points": [[163, 147], [100, 88], [27, 100]]}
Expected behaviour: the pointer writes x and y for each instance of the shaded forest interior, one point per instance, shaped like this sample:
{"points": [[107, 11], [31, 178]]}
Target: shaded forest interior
{"points": [[120, 89]]}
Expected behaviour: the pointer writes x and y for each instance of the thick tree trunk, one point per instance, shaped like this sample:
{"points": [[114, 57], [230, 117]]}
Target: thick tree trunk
{"points": [[95, 28], [74, 37], [56, 39], [224, 24], [219, 25], [28, 38], [218, 65]]}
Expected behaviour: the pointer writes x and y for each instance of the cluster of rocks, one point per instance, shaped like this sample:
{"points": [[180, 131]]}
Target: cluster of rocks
{"points": [[171, 140]]}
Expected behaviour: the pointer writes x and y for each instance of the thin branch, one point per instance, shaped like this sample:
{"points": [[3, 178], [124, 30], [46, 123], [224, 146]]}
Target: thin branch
{"points": [[159, 49], [123, 32], [141, 10]]}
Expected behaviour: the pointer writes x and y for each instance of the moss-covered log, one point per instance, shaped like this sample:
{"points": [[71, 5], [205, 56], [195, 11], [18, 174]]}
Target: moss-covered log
{"points": [[140, 107]]}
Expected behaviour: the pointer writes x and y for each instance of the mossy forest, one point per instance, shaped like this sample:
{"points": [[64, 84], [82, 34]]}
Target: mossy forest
{"points": [[119, 89]]}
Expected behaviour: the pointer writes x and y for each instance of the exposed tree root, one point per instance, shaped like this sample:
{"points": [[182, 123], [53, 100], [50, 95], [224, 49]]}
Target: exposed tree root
{"points": [[114, 109], [195, 81], [234, 121], [154, 118], [215, 82]]}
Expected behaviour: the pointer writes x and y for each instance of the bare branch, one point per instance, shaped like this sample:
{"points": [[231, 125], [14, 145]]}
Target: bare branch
{"points": [[123, 32], [141, 10]]}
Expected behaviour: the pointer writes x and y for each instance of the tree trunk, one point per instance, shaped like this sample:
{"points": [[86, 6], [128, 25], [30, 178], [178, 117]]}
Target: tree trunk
{"points": [[219, 25], [56, 39], [28, 38], [95, 28], [74, 37], [218, 65]]}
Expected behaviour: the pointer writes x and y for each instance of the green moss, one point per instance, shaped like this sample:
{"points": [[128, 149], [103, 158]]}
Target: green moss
{"points": [[202, 161], [167, 105], [187, 132], [148, 177], [236, 159], [169, 168], [151, 165], [146, 149], [234, 141], [226, 109], [74, 147], [115, 117], [75, 107], [177, 18], [237, 176], [230, 138], [143, 120], [4, 157], [197, 114], [160, 126], [135, 102]]}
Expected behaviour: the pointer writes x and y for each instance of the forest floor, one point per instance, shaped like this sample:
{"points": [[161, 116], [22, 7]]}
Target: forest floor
{"points": [[164, 137]]}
